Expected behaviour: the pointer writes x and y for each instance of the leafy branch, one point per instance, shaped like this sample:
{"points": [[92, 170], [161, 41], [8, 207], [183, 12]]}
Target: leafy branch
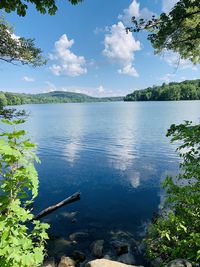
{"points": [[22, 244]]}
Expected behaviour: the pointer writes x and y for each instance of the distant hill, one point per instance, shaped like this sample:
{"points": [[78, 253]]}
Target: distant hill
{"points": [[186, 90], [52, 97]]}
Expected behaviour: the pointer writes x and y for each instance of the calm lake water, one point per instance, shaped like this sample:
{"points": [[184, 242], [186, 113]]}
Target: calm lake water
{"points": [[115, 154]]}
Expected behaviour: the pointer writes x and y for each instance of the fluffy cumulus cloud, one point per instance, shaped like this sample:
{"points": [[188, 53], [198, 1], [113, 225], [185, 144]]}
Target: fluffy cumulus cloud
{"points": [[67, 63], [128, 13], [128, 70], [134, 11], [28, 79], [120, 48], [174, 60], [167, 5]]}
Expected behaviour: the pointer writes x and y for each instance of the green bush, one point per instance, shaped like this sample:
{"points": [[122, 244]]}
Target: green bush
{"points": [[175, 233], [22, 239]]}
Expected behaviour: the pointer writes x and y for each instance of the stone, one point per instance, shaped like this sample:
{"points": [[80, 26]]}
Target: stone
{"points": [[60, 245], [179, 263], [66, 262], [78, 256], [49, 263], [97, 248], [119, 235], [107, 257], [79, 236], [127, 258], [106, 263], [156, 263], [120, 247]]}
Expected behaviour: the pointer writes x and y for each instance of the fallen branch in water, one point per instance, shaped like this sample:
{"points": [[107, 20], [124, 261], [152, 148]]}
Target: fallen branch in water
{"points": [[72, 198]]}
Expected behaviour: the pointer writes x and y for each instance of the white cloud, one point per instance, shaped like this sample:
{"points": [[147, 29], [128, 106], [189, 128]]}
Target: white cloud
{"points": [[134, 11], [98, 30], [129, 70], [167, 5], [174, 60], [28, 79], [68, 63], [94, 64], [14, 36], [101, 89], [167, 77], [183, 78], [120, 48], [128, 13]]}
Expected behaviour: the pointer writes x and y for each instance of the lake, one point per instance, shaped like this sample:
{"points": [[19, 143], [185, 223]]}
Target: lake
{"points": [[115, 154]]}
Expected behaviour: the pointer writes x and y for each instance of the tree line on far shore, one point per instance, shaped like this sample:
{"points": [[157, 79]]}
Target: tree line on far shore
{"points": [[186, 90], [12, 99]]}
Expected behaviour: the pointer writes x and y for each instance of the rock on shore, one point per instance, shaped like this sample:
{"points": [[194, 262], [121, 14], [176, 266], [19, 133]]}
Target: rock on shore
{"points": [[179, 263], [106, 263], [66, 262], [69, 262]]}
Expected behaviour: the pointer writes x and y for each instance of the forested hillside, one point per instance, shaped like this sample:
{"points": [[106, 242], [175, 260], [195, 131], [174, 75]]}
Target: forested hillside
{"points": [[52, 97], [187, 90]]}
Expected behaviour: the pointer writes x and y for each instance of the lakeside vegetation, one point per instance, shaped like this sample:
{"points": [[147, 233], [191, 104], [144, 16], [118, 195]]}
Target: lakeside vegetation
{"points": [[7, 98], [186, 90]]}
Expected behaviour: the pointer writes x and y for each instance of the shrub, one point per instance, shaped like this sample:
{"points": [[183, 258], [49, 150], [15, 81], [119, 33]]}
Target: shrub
{"points": [[175, 233], [22, 239]]}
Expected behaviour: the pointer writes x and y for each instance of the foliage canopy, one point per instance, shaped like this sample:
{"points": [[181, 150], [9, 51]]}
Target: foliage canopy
{"points": [[15, 49], [178, 31], [187, 90], [43, 6]]}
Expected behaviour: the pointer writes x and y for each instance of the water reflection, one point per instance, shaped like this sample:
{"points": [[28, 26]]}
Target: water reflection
{"points": [[131, 148], [120, 155], [73, 135], [72, 148], [122, 150], [134, 179]]}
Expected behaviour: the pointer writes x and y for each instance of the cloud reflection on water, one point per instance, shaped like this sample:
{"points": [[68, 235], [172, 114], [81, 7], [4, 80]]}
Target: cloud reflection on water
{"points": [[73, 135]]}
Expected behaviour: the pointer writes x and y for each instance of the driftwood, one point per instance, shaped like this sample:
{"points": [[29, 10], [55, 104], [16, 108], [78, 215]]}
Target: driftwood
{"points": [[72, 198]]}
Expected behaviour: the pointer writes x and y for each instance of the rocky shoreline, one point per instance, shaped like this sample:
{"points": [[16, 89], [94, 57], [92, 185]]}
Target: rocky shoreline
{"points": [[81, 247], [69, 262], [120, 250]]}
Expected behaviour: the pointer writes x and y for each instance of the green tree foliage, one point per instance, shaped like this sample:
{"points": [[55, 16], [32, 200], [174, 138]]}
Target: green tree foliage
{"points": [[52, 97], [3, 101], [15, 49], [22, 240], [175, 233], [43, 6], [187, 90], [178, 31]]}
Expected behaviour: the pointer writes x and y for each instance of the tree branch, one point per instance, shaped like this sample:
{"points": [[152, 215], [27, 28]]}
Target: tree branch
{"points": [[72, 198]]}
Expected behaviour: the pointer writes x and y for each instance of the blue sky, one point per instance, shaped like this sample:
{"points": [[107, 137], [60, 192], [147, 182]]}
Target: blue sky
{"points": [[88, 50]]}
